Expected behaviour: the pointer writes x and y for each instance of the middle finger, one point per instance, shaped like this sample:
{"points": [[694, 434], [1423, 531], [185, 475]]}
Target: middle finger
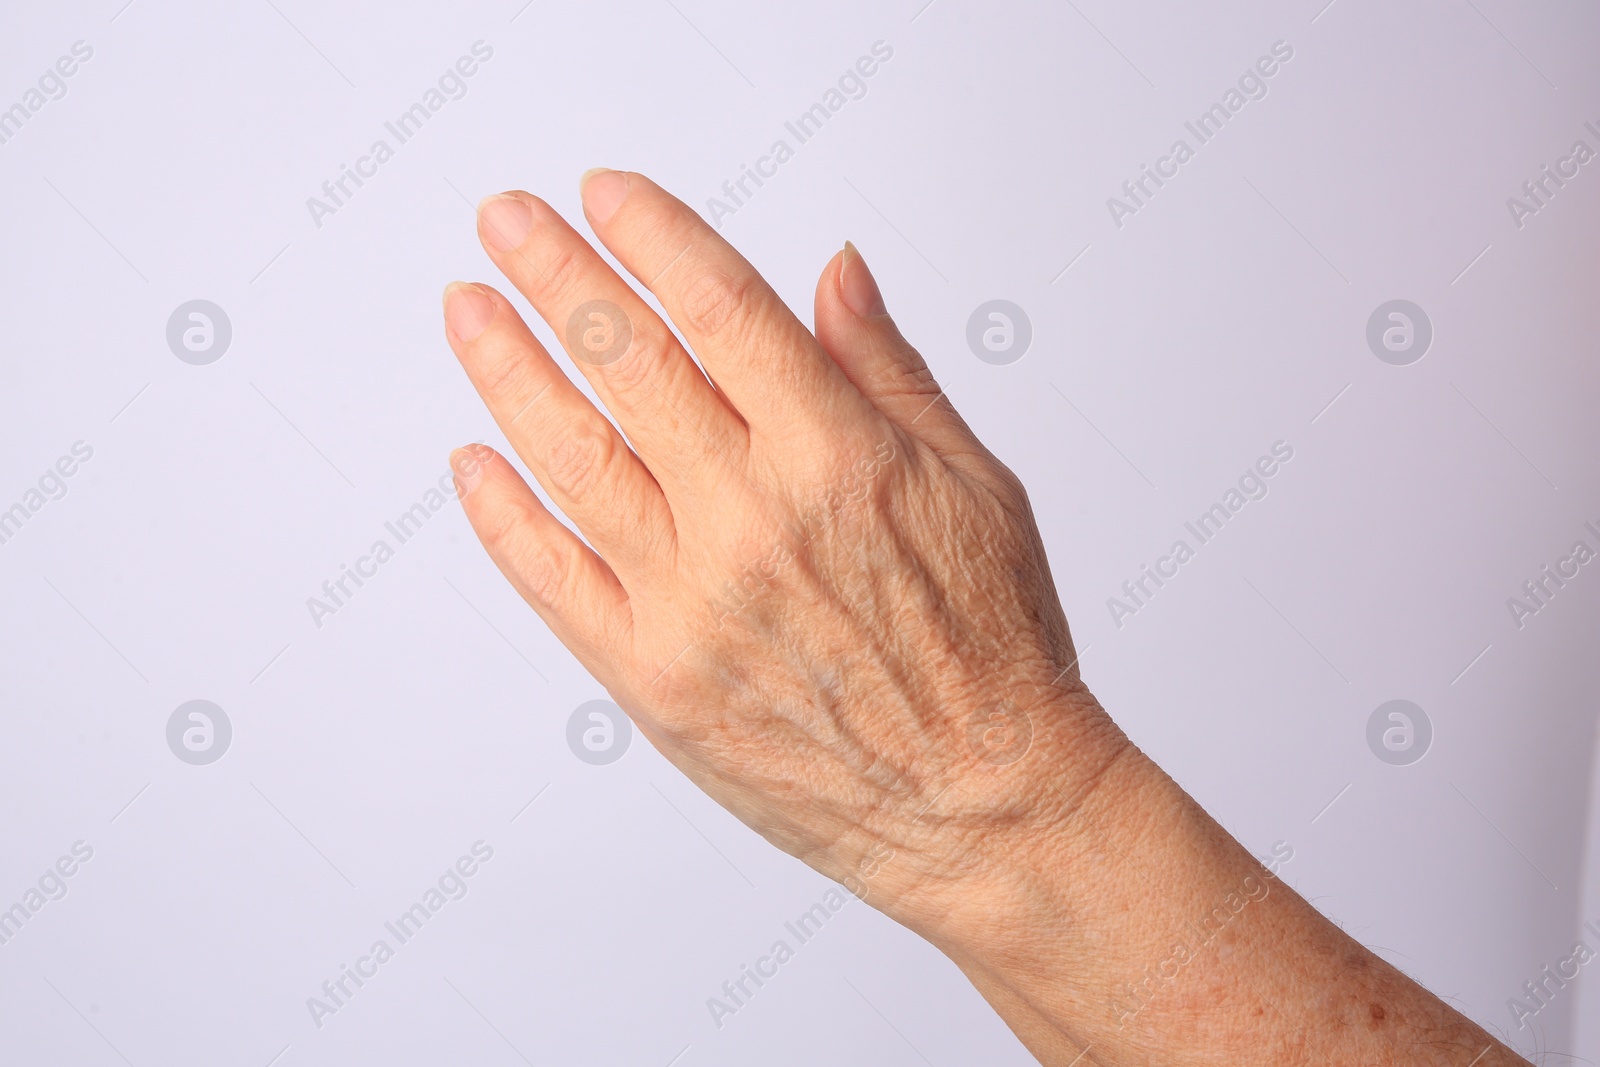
{"points": [[681, 427]]}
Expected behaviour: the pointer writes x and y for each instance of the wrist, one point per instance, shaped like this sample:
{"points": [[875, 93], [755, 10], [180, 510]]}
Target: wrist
{"points": [[1079, 914], [993, 837]]}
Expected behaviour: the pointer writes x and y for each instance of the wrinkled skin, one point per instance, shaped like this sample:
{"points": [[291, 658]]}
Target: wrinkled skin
{"points": [[821, 598], [810, 586]]}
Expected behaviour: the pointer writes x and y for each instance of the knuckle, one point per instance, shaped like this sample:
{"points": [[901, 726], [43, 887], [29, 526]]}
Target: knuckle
{"points": [[850, 469], [637, 371], [906, 379], [506, 374], [511, 536], [502, 529], [538, 567], [508, 534], [578, 459], [716, 300], [1009, 492], [559, 268]]}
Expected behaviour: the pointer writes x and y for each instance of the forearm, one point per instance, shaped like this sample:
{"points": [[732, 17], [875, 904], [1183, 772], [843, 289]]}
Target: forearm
{"points": [[1134, 927]]}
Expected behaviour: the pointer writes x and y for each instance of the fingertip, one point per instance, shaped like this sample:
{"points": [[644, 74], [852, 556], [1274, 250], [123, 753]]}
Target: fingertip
{"points": [[858, 289], [504, 220], [856, 330], [602, 191], [467, 466], [468, 311]]}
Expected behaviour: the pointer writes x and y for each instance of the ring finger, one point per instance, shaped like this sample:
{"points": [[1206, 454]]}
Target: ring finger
{"points": [[571, 448]]}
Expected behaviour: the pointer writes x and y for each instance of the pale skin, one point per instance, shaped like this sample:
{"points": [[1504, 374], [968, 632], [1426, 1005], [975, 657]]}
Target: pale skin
{"points": [[827, 603]]}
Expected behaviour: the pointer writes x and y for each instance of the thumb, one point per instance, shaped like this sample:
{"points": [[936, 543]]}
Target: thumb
{"points": [[854, 327]]}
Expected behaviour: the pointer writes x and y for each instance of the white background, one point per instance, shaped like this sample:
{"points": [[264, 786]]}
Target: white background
{"points": [[368, 754]]}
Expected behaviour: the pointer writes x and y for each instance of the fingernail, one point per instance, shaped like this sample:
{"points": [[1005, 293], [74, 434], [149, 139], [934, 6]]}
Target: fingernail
{"points": [[466, 465], [468, 311], [857, 286], [602, 192], [504, 221]]}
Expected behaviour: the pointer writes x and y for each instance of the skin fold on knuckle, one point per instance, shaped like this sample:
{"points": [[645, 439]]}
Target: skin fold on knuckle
{"points": [[557, 267], [502, 370], [639, 374], [905, 376], [508, 530], [578, 461], [540, 571], [715, 302], [499, 522], [997, 485], [535, 563]]}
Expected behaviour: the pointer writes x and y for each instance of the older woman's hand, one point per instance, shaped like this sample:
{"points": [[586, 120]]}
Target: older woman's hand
{"points": [[824, 601], [809, 584]]}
